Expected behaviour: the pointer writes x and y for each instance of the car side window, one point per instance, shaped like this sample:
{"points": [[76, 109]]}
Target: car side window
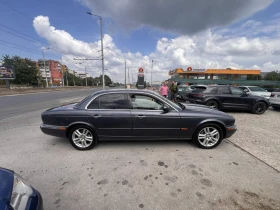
{"points": [[236, 91], [224, 90], [145, 102], [109, 101], [244, 89]]}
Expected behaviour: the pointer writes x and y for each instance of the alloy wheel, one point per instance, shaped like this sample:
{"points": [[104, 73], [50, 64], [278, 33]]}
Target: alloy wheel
{"points": [[208, 136], [82, 137]]}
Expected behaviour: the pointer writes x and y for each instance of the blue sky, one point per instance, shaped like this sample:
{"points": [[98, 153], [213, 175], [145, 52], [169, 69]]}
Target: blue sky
{"points": [[70, 16]]}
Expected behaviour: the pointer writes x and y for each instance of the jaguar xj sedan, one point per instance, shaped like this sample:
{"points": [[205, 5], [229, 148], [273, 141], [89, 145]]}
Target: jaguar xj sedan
{"points": [[136, 115]]}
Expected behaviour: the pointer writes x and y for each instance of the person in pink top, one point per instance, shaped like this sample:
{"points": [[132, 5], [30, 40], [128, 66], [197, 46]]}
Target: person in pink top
{"points": [[164, 90]]}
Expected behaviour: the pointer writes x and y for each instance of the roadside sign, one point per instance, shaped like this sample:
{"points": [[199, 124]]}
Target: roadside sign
{"points": [[7, 72], [141, 70]]}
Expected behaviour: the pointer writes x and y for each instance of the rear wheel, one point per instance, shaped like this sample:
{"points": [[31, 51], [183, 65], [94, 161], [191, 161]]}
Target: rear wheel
{"points": [[208, 136], [276, 108], [259, 108], [212, 104], [82, 137]]}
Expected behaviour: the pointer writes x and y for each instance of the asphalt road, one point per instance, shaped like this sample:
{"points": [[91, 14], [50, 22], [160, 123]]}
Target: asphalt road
{"points": [[20, 104]]}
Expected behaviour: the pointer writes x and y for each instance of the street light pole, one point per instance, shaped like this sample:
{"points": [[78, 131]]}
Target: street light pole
{"points": [[102, 52], [125, 74], [86, 74], [47, 84], [61, 69]]}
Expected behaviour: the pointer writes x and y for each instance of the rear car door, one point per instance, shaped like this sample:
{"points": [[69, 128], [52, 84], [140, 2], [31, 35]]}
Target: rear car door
{"points": [[149, 119], [111, 116]]}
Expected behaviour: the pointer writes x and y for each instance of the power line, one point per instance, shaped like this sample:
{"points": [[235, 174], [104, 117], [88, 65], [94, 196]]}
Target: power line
{"points": [[45, 43], [7, 5], [26, 48]]}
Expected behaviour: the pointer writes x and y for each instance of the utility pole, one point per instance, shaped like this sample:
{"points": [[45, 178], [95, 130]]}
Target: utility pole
{"points": [[102, 52], [125, 74], [86, 74], [61, 69], [128, 75], [152, 73], [74, 77], [47, 84]]}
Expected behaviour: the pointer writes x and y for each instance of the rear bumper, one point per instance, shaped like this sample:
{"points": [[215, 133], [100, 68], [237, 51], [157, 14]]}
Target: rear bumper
{"points": [[52, 130], [196, 102], [230, 131]]}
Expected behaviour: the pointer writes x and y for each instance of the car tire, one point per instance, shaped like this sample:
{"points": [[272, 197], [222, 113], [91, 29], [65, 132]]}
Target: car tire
{"points": [[213, 104], [259, 108], [82, 137], [203, 137], [276, 108]]}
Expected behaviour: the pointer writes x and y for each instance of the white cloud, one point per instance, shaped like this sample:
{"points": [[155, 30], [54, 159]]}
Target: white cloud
{"points": [[182, 16], [205, 50]]}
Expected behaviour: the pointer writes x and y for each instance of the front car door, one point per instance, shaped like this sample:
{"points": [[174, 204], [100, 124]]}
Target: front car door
{"points": [[110, 114], [241, 98], [150, 121]]}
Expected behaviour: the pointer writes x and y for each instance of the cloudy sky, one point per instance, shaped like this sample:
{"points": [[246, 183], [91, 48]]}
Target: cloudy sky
{"points": [[175, 34]]}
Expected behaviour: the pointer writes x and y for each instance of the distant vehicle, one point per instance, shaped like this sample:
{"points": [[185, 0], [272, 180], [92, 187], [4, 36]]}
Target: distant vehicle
{"points": [[183, 92], [16, 194], [228, 97], [275, 99], [133, 114], [112, 85], [256, 91]]}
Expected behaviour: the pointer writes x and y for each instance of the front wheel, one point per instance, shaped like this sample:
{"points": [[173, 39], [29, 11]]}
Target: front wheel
{"points": [[82, 137], [208, 136], [259, 108]]}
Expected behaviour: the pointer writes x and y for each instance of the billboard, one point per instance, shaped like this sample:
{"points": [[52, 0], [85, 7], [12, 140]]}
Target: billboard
{"points": [[7, 72]]}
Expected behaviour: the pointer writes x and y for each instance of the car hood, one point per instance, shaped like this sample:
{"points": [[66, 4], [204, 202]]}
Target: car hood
{"points": [[6, 187], [203, 109], [63, 107]]}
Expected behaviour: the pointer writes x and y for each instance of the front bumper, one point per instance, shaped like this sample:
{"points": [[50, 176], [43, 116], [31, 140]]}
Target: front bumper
{"points": [[35, 202], [230, 131], [52, 130]]}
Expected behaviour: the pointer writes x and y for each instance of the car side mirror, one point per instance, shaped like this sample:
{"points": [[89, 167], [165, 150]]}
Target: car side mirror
{"points": [[165, 108]]}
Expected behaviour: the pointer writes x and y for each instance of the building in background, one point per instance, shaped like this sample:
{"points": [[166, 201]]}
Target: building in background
{"points": [[52, 70]]}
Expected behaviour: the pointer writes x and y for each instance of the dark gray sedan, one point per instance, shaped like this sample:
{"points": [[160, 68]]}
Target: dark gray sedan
{"points": [[136, 115]]}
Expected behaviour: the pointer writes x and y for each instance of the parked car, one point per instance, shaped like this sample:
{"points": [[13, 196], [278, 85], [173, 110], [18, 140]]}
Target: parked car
{"points": [[275, 99], [112, 85], [133, 114], [228, 97], [16, 194], [256, 91], [183, 92]]}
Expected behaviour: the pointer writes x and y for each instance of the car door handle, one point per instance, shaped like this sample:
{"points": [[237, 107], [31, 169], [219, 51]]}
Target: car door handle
{"points": [[96, 116], [141, 116]]}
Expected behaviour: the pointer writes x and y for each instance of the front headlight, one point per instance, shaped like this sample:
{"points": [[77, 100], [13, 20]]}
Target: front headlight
{"points": [[21, 193]]}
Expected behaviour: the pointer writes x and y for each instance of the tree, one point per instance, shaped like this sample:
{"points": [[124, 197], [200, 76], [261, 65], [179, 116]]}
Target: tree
{"points": [[107, 80], [274, 75], [254, 77], [26, 70]]}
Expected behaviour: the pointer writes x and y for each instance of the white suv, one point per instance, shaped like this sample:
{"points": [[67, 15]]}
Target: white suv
{"points": [[256, 91], [275, 99]]}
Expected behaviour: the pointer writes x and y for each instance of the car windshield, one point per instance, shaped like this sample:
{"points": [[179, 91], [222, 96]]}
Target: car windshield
{"points": [[171, 102], [254, 89]]}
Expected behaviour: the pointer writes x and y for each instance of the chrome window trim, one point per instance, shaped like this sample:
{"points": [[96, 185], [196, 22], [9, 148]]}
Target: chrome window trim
{"points": [[128, 92]]}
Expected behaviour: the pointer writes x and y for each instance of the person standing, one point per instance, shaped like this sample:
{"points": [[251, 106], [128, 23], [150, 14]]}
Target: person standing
{"points": [[164, 90], [173, 90]]}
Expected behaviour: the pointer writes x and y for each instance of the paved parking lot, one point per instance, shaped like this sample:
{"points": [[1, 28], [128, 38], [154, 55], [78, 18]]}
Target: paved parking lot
{"points": [[148, 175]]}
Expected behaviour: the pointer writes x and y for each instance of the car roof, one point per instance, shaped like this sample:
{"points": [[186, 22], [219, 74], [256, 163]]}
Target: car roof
{"points": [[124, 91]]}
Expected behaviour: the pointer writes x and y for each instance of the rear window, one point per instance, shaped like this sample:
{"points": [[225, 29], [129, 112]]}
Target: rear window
{"points": [[199, 89]]}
